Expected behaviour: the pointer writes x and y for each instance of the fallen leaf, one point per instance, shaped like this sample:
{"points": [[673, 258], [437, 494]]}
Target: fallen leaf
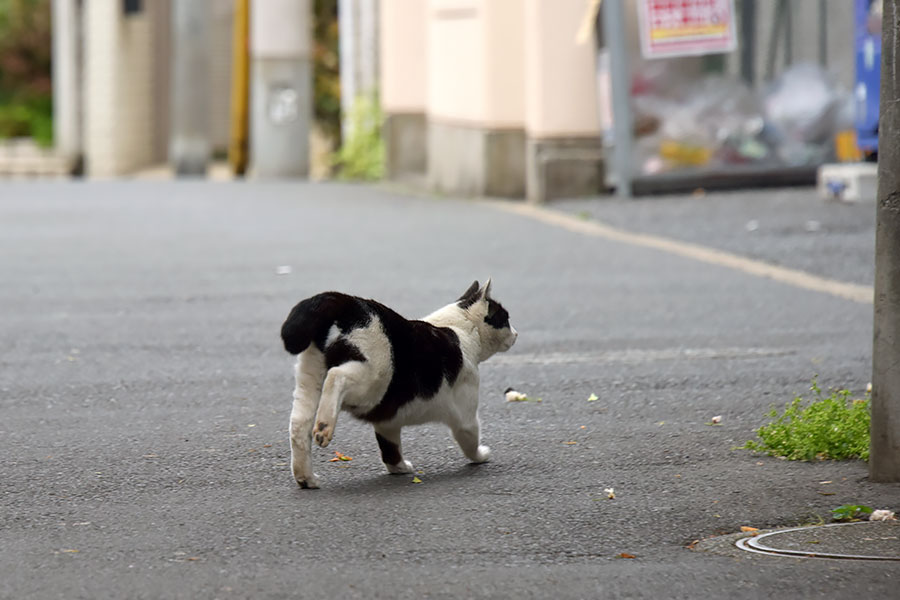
{"points": [[692, 545], [71, 550], [823, 482], [416, 480], [747, 529], [570, 443], [592, 398], [626, 555], [339, 457], [827, 493]]}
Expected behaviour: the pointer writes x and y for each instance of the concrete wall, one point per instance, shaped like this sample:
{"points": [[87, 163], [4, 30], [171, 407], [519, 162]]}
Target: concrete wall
{"points": [[404, 86], [475, 96], [403, 56], [118, 91]]}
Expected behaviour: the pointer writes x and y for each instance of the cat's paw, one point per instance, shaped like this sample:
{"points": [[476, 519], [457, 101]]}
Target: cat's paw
{"points": [[323, 434], [309, 482], [482, 455], [402, 467]]}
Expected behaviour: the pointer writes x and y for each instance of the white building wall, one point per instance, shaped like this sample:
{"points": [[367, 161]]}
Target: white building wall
{"points": [[118, 102]]}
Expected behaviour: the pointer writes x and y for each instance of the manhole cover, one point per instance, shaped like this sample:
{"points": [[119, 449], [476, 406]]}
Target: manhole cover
{"points": [[865, 540]]}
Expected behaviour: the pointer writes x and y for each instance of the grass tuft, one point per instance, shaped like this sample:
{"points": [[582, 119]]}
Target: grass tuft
{"points": [[832, 427]]}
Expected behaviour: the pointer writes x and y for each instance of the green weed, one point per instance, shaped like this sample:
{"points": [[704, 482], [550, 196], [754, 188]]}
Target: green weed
{"points": [[834, 427], [850, 512], [362, 154]]}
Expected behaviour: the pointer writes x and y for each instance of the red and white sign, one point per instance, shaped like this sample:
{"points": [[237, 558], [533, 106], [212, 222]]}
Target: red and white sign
{"points": [[686, 27]]}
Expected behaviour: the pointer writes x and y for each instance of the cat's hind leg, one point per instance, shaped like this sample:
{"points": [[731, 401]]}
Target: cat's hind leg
{"points": [[310, 373], [389, 443], [467, 433]]}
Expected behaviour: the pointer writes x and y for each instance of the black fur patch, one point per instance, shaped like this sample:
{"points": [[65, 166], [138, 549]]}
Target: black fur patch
{"points": [[497, 316], [470, 297], [390, 452], [341, 351], [310, 320], [424, 357]]}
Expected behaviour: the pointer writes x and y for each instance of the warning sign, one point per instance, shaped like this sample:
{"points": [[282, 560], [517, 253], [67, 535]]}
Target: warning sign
{"points": [[686, 27]]}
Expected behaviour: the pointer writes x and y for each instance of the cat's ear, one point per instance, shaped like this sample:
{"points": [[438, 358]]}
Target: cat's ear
{"points": [[470, 296], [486, 291]]}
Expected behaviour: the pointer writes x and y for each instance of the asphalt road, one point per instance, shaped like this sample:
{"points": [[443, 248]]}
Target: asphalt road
{"points": [[145, 399]]}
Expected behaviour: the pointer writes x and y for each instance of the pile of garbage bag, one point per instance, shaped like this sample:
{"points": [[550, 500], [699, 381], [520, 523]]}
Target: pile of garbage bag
{"points": [[718, 121]]}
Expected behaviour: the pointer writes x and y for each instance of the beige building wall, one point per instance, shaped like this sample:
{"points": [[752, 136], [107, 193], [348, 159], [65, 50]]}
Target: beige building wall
{"points": [[403, 49], [456, 60], [560, 83], [504, 46]]}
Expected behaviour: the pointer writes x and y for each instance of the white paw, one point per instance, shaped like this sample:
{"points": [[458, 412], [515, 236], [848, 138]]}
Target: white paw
{"points": [[404, 466], [324, 433], [482, 455], [310, 481]]}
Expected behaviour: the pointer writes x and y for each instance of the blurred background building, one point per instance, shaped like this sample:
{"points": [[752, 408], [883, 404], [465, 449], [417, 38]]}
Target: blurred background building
{"points": [[471, 97]]}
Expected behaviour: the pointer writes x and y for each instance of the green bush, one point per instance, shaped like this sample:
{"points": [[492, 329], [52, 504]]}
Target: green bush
{"points": [[362, 155], [26, 107], [829, 427]]}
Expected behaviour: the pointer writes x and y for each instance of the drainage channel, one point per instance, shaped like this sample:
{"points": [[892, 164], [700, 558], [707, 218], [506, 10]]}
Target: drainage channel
{"points": [[846, 541]]}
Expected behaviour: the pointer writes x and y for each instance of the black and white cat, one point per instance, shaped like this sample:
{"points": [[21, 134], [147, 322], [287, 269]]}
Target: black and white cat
{"points": [[362, 357]]}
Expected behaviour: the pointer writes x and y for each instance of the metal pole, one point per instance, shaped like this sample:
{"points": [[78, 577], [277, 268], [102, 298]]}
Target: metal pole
{"points": [[748, 42], [884, 456], [823, 34], [240, 89], [189, 146], [614, 35]]}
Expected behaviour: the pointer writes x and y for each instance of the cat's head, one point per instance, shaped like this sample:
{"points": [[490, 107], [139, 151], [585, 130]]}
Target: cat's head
{"points": [[491, 319]]}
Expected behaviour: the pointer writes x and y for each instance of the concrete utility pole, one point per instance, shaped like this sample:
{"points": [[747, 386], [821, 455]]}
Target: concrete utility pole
{"points": [[358, 26], [67, 79], [189, 145], [281, 95], [884, 457]]}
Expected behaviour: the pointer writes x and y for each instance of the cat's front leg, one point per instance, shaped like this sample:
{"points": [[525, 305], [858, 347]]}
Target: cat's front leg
{"points": [[389, 443], [467, 433]]}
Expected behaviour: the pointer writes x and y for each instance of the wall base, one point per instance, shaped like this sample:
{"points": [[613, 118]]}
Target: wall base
{"points": [[405, 145], [564, 167], [472, 161]]}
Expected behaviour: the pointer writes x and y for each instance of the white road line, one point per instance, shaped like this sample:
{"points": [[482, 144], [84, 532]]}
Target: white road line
{"points": [[863, 294]]}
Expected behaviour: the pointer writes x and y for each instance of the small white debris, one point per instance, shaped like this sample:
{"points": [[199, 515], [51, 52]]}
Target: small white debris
{"points": [[752, 225], [716, 419], [869, 388], [283, 270], [514, 396], [882, 515], [610, 493]]}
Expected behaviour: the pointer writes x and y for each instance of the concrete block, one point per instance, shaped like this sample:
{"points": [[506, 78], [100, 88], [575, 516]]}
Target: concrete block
{"points": [[473, 161], [405, 145], [848, 182], [564, 167]]}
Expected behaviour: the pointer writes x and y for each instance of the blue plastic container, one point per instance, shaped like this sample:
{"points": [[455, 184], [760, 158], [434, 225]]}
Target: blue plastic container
{"points": [[868, 77]]}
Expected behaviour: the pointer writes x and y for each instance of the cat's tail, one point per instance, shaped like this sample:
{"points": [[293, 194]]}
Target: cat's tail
{"points": [[310, 320]]}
